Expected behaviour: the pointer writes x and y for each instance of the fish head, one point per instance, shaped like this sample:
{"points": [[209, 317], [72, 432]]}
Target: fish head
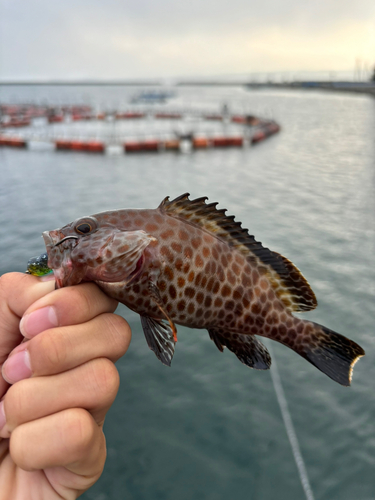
{"points": [[92, 249]]}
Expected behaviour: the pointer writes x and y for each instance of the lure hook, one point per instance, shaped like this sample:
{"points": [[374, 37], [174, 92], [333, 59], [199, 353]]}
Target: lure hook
{"points": [[64, 239]]}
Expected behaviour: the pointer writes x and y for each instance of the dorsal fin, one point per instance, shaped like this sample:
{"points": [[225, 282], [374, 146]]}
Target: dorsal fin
{"points": [[292, 287]]}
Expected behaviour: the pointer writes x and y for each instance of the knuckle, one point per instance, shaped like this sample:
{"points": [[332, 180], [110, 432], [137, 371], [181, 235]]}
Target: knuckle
{"points": [[18, 451], [106, 379], [81, 430], [119, 332], [97, 299], [6, 284], [16, 401], [83, 299], [48, 352], [76, 301], [6, 281]]}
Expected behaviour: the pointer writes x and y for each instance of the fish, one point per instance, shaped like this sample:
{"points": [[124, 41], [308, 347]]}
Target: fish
{"points": [[38, 266], [189, 263]]}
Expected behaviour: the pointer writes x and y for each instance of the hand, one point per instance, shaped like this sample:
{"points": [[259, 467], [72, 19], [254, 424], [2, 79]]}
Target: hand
{"points": [[63, 382]]}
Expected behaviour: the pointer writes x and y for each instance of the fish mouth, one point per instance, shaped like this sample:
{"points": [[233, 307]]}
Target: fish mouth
{"points": [[56, 238], [48, 241], [51, 238], [59, 248]]}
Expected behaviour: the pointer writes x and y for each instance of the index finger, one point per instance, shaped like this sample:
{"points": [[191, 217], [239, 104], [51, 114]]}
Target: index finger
{"points": [[17, 292], [66, 307]]}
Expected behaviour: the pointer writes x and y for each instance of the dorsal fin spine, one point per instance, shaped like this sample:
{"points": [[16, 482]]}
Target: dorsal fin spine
{"points": [[224, 227]]}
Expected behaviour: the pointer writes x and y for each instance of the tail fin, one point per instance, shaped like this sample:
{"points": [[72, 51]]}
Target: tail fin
{"points": [[332, 353]]}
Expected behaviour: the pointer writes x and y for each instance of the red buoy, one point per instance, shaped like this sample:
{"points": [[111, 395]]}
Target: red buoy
{"points": [[129, 115], [238, 119], [173, 116], [200, 143], [171, 145], [141, 146], [225, 142], [12, 142], [87, 146]]}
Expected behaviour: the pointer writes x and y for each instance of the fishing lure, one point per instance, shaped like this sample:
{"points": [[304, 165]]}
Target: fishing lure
{"points": [[38, 266]]}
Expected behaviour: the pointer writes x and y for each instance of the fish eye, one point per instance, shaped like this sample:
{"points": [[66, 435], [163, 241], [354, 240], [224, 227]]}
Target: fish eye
{"points": [[83, 228], [86, 226]]}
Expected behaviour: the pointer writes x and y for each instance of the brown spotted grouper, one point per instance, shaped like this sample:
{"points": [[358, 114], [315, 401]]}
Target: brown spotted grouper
{"points": [[188, 263]]}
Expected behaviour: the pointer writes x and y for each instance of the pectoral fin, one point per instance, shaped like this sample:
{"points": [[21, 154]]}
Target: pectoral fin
{"points": [[155, 295], [248, 349], [122, 256], [159, 337]]}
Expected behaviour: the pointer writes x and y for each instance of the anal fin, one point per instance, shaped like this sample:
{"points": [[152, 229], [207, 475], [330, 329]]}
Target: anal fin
{"points": [[160, 338], [248, 349]]}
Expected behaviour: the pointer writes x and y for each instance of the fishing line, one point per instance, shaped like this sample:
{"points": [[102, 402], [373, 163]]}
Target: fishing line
{"points": [[287, 418]]}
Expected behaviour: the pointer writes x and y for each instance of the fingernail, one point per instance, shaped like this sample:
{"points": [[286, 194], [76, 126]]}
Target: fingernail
{"points": [[2, 415], [17, 367], [38, 321]]}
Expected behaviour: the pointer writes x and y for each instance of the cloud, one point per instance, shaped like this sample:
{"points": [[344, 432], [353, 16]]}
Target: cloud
{"points": [[144, 38]]}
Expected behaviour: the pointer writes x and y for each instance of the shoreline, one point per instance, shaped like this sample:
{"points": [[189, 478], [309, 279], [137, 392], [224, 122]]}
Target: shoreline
{"points": [[333, 86]]}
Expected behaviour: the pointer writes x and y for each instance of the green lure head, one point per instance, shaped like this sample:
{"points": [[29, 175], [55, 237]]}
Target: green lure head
{"points": [[38, 266]]}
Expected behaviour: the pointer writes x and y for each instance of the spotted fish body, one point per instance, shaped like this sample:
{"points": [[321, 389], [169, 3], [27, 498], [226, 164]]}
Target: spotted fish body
{"points": [[188, 263]]}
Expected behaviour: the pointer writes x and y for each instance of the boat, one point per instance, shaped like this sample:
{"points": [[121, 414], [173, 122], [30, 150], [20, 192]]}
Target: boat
{"points": [[152, 96]]}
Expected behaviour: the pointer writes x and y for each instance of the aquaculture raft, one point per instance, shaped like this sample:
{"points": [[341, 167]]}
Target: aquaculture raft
{"points": [[13, 118]]}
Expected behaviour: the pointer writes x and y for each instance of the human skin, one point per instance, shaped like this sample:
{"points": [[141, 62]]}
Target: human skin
{"points": [[56, 387]]}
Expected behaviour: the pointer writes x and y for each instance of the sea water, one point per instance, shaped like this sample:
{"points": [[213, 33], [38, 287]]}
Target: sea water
{"points": [[209, 428]]}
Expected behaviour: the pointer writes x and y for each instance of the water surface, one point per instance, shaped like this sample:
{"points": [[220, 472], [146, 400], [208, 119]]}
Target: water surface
{"points": [[209, 427]]}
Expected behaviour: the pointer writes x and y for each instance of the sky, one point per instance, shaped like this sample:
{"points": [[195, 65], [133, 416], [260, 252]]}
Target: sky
{"points": [[141, 39]]}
